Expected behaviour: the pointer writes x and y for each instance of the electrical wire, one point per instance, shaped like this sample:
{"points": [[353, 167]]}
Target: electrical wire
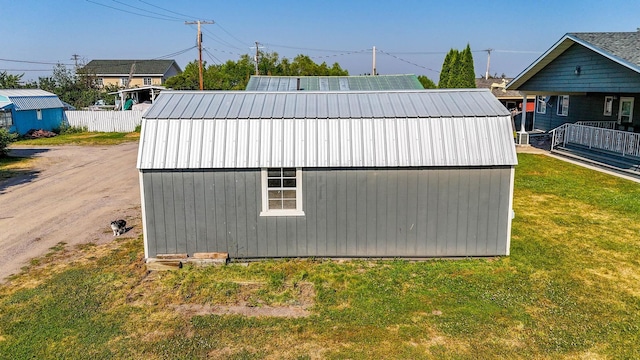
{"points": [[35, 62], [406, 61], [129, 12], [308, 49], [167, 10], [151, 12]]}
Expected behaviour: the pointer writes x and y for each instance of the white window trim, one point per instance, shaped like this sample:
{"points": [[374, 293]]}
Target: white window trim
{"points": [[145, 82], [623, 100], [124, 81], [608, 110], [282, 212], [560, 104], [541, 105]]}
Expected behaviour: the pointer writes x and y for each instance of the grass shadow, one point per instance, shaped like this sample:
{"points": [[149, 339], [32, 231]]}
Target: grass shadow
{"points": [[11, 173]]}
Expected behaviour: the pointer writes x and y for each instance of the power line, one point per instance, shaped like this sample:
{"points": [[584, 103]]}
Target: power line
{"points": [[35, 62], [137, 8], [228, 33], [310, 49], [167, 10], [131, 13], [407, 61]]}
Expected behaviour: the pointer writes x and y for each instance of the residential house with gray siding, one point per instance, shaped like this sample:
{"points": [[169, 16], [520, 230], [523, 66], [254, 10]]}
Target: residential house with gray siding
{"points": [[383, 174]]}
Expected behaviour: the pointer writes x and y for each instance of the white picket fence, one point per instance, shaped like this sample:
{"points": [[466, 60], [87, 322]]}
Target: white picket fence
{"points": [[105, 121]]}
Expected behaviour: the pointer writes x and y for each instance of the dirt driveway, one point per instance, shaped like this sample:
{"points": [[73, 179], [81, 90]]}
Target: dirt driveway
{"points": [[72, 195]]}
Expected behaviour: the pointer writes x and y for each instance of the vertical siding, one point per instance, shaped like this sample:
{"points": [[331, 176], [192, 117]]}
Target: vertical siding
{"points": [[348, 213]]}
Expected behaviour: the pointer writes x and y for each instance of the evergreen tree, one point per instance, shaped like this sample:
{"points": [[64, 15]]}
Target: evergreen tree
{"points": [[457, 70], [426, 82], [469, 74], [446, 71]]}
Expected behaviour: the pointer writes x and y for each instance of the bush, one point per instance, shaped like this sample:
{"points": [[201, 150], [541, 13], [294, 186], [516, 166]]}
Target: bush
{"points": [[68, 129], [6, 138], [138, 128]]}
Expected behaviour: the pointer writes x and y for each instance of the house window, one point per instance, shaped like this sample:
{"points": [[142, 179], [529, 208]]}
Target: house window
{"points": [[511, 105], [608, 105], [39, 114], [100, 82], [625, 114], [541, 105], [6, 119], [124, 81], [282, 192], [147, 81], [563, 105]]}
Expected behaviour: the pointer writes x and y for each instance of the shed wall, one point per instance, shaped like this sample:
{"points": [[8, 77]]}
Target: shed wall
{"points": [[348, 213], [25, 120]]}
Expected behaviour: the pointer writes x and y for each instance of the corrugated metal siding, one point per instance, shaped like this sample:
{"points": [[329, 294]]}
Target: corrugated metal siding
{"points": [[251, 143], [35, 103], [234, 130], [348, 212], [288, 105]]}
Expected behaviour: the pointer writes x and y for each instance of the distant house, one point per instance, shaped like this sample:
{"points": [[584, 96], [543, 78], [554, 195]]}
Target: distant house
{"points": [[416, 173], [585, 88], [24, 109], [511, 99], [334, 83], [586, 77], [145, 72]]}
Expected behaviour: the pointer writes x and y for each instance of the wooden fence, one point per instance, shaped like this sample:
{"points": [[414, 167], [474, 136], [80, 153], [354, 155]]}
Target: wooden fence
{"points": [[105, 121]]}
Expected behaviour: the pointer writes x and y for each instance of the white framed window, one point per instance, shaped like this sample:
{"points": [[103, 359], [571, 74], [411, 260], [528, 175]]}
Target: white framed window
{"points": [[100, 82], [124, 81], [39, 114], [282, 192], [563, 105], [625, 113], [541, 105], [6, 119], [147, 81], [608, 106]]}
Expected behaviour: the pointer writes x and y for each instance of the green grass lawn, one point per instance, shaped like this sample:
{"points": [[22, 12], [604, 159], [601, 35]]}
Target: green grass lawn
{"points": [[13, 166], [570, 289], [84, 138]]}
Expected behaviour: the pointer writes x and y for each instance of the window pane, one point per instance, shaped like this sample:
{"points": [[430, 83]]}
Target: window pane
{"points": [[289, 194], [274, 183], [275, 204], [289, 204], [289, 183], [273, 172], [275, 194], [289, 172]]}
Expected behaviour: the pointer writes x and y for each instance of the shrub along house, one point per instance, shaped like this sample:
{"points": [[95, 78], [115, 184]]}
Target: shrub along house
{"points": [[24, 109], [584, 82], [327, 174]]}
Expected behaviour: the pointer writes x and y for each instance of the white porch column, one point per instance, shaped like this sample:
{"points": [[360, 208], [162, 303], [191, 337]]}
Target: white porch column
{"points": [[522, 138]]}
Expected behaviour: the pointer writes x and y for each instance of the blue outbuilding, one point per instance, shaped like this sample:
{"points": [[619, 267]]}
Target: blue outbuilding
{"points": [[24, 109]]}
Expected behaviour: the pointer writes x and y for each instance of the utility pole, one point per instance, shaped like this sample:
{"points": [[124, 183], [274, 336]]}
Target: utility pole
{"points": [[374, 61], [75, 58], [199, 22], [486, 75], [257, 57]]}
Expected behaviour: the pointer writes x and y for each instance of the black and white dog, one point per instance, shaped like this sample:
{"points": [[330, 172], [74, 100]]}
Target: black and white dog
{"points": [[118, 227]]}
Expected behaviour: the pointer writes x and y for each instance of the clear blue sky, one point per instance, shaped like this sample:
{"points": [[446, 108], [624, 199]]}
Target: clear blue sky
{"points": [[412, 36]]}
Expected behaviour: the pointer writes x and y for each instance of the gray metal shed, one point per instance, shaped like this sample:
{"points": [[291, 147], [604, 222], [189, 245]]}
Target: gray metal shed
{"points": [[327, 174]]}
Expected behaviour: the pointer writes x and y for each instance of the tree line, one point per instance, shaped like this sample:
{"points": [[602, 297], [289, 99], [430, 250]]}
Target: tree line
{"points": [[79, 88]]}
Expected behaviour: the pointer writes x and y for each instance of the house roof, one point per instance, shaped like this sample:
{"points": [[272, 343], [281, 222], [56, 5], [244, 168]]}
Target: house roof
{"points": [[123, 67], [620, 47], [334, 83], [195, 130], [30, 99], [498, 88]]}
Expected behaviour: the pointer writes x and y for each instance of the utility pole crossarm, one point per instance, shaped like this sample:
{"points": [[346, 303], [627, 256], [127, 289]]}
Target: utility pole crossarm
{"points": [[199, 42]]}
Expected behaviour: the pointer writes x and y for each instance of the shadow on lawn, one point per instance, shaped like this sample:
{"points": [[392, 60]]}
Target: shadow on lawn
{"points": [[9, 178]]}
